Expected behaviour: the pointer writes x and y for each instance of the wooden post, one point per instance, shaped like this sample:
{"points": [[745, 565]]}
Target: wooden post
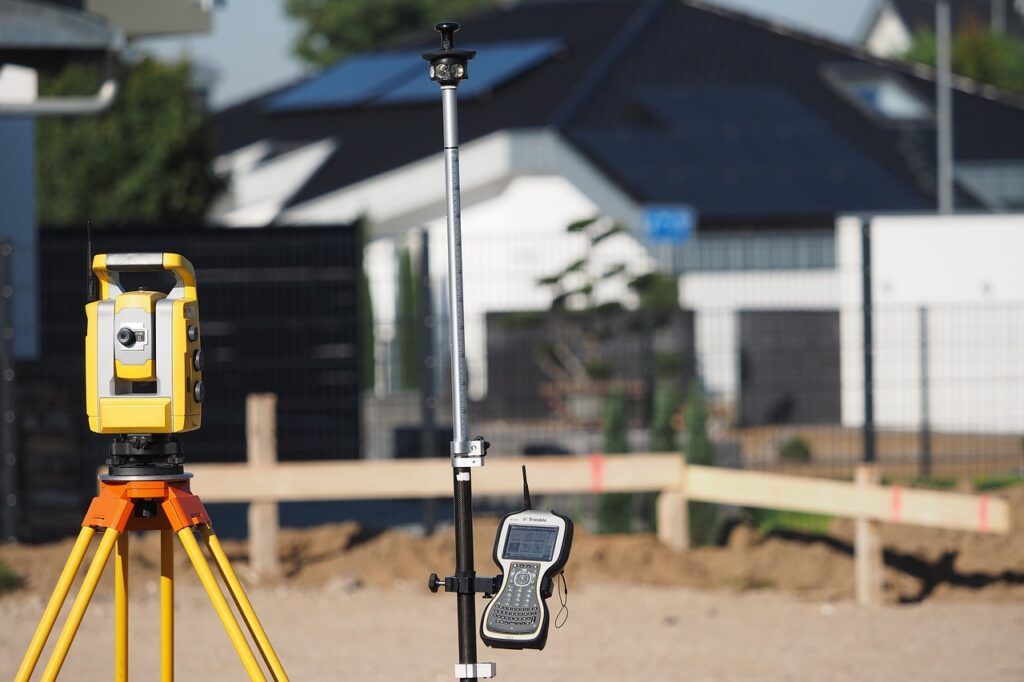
{"points": [[261, 451], [673, 516], [867, 546]]}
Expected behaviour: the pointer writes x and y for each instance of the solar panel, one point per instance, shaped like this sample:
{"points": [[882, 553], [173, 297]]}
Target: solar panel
{"points": [[401, 77], [353, 81], [494, 65], [744, 151]]}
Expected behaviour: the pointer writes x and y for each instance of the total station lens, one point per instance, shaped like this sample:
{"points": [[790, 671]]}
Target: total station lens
{"points": [[126, 337]]}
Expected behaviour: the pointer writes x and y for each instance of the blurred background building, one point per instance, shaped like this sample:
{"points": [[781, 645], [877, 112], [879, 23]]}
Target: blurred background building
{"points": [[661, 199]]}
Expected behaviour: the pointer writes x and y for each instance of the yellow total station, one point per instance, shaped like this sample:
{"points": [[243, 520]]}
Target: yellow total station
{"points": [[143, 361]]}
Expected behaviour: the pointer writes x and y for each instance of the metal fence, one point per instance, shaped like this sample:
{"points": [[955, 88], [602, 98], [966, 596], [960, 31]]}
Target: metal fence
{"points": [[770, 326], [277, 308]]}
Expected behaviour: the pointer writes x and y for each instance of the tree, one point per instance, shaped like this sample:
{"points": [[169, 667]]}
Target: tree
{"points": [[699, 450], [985, 56], [367, 326], [663, 431], [408, 323], [333, 29], [145, 160]]}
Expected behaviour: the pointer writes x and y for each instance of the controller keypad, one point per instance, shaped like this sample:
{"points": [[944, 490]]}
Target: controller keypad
{"points": [[517, 610]]}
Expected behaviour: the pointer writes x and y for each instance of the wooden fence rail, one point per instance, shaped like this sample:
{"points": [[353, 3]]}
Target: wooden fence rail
{"points": [[263, 482]]}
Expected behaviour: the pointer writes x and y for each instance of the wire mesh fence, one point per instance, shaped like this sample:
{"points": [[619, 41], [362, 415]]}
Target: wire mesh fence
{"points": [[768, 327], [575, 346], [277, 312]]}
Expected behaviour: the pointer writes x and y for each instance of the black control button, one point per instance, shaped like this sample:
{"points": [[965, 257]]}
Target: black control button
{"points": [[199, 392], [193, 333], [199, 360]]}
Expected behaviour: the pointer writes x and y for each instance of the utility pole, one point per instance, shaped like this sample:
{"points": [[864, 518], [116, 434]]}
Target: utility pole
{"points": [[944, 107]]}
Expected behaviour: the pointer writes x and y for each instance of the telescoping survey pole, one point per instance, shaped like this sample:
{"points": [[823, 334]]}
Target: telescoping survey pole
{"points": [[449, 66]]}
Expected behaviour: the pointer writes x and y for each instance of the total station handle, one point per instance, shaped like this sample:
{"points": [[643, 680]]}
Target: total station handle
{"points": [[108, 269]]}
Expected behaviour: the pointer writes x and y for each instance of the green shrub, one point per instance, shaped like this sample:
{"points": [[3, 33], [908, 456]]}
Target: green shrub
{"points": [[795, 449], [614, 510], [996, 481], [407, 328], [933, 483], [770, 521], [700, 450], [9, 580]]}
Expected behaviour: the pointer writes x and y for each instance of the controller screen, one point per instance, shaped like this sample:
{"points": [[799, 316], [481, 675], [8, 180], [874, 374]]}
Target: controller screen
{"points": [[530, 543]]}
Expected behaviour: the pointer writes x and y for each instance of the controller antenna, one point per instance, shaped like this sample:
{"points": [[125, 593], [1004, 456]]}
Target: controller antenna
{"points": [[526, 492], [91, 285]]}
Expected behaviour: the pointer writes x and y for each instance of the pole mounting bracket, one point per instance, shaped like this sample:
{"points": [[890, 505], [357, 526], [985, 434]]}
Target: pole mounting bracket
{"points": [[469, 453]]}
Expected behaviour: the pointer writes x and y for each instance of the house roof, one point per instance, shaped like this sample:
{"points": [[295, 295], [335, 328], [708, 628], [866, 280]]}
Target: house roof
{"points": [[26, 25], [676, 102]]}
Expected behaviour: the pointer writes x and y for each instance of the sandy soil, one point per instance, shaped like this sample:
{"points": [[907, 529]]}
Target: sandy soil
{"points": [[614, 632], [354, 606], [921, 563]]}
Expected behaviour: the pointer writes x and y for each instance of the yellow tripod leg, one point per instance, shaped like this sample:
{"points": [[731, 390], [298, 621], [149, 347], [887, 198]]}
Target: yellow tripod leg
{"points": [[220, 604], [60, 593], [243, 604], [166, 605], [121, 609], [81, 603]]}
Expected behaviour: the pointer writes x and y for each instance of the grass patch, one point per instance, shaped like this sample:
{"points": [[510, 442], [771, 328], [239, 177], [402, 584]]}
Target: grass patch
{"points": [[770, 521], [9, 581], [996, 481], [748, 583], [941, 483]]}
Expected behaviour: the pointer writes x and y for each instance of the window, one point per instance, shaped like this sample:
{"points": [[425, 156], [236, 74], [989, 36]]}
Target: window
{"points": [[879, 93]]}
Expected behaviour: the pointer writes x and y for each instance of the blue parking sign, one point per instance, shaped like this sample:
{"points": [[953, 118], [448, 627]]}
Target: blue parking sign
{"points": [[669, 223]]}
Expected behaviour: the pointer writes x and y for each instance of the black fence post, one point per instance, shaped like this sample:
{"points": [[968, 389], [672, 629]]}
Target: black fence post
{"points": [[428, 354], [925, 463], [870, 455], [10, 498]]}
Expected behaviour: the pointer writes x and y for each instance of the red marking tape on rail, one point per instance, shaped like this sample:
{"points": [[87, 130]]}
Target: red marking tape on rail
{"points": [[896, 512], [983, 514], [596, 473]]}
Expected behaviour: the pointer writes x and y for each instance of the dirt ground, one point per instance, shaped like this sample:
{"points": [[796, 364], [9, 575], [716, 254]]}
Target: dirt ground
{"points": [[353, 606], [614, 633]]}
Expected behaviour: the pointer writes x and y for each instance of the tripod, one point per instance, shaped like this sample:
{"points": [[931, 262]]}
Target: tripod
{"points": [[152, 501]]}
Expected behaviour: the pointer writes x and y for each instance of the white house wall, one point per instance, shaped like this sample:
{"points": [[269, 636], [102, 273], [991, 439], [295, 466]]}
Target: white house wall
{"points": [[259, 189], [888, 35], [717, 298], [965, 270]]}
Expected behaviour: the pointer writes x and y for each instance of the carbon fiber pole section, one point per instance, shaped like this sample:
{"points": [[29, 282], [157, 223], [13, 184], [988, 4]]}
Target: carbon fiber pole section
{"points": [[464, 565]]}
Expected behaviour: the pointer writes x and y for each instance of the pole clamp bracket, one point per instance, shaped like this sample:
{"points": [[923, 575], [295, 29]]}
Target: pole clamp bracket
{"points": [[467, 583], [466, 671], [469, 453]]}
